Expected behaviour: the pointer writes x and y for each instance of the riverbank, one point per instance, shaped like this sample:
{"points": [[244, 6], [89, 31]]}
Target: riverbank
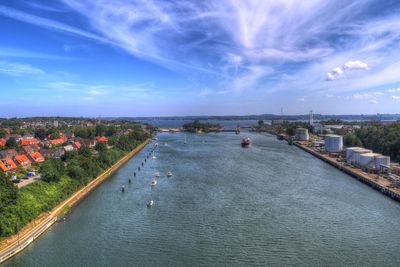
{"points": [[373, 180], [14, 244]]}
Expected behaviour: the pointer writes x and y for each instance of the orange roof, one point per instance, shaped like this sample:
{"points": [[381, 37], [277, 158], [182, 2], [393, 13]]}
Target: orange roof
{"points": [[22, 160], [28, 141], [37, 157], [101, 139], [2, 142], [77, 144], [58, 141], [7, 164]]}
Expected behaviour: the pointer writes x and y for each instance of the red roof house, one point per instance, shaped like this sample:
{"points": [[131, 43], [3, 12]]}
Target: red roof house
{"points": [[2, 142], [22, 160], [77, 145], [7, 164], [102, 139], [36, 157], [28, 141]]}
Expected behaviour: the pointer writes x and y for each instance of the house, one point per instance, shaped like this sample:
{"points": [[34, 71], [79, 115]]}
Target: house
{"points": [[22, 160], [36, 157], [52, 153], [101, 139], [2, 142], [57, 141], [69, 148], [88, 142], [77, 144], [9, 153], [28, 141], [30, 148], [7, 164]]}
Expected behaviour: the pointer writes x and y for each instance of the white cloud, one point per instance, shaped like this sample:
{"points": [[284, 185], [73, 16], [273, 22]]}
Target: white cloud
{"points": [[349, 65], [393, 90], [19, 69], [371, 98], [301, 99], [396, 97], [356, 65]]}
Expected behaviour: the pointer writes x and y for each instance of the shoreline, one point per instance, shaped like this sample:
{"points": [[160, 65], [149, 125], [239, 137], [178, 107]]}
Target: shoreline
{"points": [[373, 180], [25, 237]]}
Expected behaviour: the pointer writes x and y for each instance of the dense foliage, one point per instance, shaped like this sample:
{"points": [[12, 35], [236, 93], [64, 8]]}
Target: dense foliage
{"points": [[62, 177], [196, 126], [382, 138]]}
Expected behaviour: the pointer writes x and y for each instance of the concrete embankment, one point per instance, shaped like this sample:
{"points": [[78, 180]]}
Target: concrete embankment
{"points": [[17, 243], [373, 180]]}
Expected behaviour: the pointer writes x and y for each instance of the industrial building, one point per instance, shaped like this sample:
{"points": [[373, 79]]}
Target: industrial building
{"points": [[333, 143], [366, 159], [302, 134]]}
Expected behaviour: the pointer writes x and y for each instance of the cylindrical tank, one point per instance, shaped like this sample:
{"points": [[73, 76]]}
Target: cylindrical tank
{"points": [[382, 160], [367, 160], [355, 156], [349, 152], [302, 134], [333, 143]]}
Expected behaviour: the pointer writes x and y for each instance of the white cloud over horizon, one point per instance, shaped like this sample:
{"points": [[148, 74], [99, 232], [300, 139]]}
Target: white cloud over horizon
{"points": [[284, 50]]}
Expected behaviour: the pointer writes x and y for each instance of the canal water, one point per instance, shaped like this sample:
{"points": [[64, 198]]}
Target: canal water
{"points": [[268, 205]]}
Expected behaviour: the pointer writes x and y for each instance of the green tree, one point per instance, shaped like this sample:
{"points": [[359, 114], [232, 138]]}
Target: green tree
{"points": [[52, 170], [100, 147], [11, 143], [351, 139]]}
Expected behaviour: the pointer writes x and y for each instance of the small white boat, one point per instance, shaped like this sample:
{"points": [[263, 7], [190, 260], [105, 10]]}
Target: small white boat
{"points": [[157, 174], [150, 203], [153, 183], [169, 174]]}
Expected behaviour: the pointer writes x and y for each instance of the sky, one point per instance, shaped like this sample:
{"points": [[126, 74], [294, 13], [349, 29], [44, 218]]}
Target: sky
{"points": [[216, 57]]}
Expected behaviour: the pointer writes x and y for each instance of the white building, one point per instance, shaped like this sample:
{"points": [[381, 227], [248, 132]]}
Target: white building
{"points": [[302, 134], [333, 143]]}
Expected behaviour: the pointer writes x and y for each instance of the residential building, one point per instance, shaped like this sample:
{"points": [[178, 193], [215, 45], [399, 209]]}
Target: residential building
{"points": [[36, 157], [7, 164], [22, 160]]}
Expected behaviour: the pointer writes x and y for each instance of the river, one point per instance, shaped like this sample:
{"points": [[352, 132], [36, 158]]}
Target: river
{"points": [[267, 205]]}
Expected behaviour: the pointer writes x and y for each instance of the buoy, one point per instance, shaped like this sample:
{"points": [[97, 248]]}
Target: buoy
{"points": [[129, 180], [134, 174], [123, 189]]}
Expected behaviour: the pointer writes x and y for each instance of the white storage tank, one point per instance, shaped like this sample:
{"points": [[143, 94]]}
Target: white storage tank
{"points": [[302, 134], [355, 155], [367, 160], [382, 160], [349, 152], [333, 143]]}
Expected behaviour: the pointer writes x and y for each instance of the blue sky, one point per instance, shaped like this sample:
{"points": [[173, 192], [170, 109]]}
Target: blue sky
{"points": [[216, 57]]}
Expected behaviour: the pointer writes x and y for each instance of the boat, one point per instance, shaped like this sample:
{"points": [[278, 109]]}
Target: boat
{"points": [[185, 141], [157, 174], [153, 183], [150, 203], [122, 188], [169, 174], [246, 142]]}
